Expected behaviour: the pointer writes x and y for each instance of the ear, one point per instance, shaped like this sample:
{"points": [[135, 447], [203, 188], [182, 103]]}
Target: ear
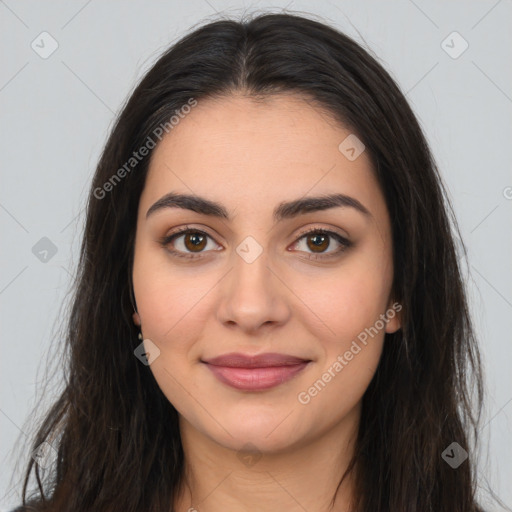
{"points": [[394, 315], [136, 318]]}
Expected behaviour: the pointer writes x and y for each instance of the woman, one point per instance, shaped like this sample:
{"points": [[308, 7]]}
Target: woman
{"points": [[269, 311]]}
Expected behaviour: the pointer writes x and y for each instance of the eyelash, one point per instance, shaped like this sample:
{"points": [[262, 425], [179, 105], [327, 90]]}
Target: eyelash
{"points": [[345, 244]]}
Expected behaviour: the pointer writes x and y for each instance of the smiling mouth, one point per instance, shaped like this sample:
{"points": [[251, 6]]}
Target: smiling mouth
{"points": [[256, 378]]}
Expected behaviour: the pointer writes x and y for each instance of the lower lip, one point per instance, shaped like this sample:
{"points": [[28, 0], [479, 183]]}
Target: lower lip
{"points": [[256, 379]]}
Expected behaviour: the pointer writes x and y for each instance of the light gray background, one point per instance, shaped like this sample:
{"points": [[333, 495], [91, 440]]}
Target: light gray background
{"points": [[56, 113]]}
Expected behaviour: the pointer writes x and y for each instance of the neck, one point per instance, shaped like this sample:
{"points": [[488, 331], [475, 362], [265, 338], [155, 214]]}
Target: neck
{"points": [[300, 477]]}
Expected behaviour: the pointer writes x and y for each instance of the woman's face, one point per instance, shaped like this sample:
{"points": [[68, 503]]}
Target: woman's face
{"points": [[253, 282]]}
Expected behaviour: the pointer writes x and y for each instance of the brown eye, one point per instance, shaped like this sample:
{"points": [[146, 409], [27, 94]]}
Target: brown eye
{"points": [[319, 242], [194, 241], [187, 243]]}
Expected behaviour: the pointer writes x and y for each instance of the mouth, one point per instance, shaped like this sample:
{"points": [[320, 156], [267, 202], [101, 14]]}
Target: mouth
{"points": [[255, 373]]}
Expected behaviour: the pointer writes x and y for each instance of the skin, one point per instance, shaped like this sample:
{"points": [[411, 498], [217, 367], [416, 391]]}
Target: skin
{"points": [[251, 156]]}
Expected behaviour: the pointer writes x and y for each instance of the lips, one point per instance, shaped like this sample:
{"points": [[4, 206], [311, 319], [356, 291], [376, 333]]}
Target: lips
{"points": [[255, 373]]}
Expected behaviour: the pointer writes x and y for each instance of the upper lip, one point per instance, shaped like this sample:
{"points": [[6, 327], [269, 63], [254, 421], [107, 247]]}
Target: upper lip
{"points": [[238, 360]]}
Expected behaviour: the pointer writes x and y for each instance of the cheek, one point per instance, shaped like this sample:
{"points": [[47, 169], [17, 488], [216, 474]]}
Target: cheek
{"points": [[173, 311], [167, 302], [340, 385], [350, 303], [351, 338], [340, 305]]}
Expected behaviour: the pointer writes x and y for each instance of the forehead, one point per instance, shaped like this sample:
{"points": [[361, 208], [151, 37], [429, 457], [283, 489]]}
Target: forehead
{"points": [[254, 152]]}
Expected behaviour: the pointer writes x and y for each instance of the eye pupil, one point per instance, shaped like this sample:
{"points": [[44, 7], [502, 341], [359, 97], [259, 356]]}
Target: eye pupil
{"points": [[319, 242], [196, 239]]}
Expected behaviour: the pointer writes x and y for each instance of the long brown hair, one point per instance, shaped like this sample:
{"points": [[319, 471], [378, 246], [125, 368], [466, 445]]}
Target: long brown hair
{"points": [[116, 435]]}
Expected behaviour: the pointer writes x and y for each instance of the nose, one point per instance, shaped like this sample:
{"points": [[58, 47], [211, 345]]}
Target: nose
{"points": [[253, 295]]}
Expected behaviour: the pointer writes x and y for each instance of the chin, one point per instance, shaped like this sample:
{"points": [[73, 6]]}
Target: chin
{"points": [[266, 433], [259, 443]]}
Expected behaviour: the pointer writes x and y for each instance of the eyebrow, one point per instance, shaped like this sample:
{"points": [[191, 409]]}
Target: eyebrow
{"points": [[285, 210]]}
